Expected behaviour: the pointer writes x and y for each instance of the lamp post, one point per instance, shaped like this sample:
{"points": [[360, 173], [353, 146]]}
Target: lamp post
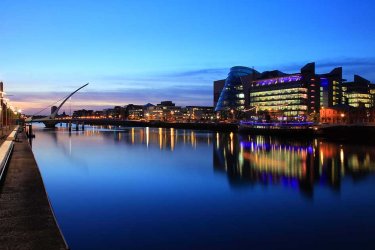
{"points": [[4, 101], [232, 111], [2, 93], [342, 117], [6, 112]]}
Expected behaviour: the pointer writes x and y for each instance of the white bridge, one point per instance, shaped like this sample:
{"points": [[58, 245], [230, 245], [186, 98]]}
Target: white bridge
{"points": [[50, 120]]}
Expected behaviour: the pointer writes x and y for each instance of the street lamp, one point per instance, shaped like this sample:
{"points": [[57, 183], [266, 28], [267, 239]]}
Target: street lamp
{"points": [[342, 117], [232, 111]]}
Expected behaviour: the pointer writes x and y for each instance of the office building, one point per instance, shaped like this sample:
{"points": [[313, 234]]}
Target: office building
{"points": [[280, 96], [358, 93]]}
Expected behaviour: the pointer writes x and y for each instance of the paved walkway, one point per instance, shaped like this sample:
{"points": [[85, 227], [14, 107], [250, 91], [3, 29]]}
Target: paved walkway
{"points": [[26, 219]]}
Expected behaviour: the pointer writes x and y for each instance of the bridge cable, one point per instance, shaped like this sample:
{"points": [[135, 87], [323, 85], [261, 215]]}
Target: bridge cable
{"points": [[50, 105]]}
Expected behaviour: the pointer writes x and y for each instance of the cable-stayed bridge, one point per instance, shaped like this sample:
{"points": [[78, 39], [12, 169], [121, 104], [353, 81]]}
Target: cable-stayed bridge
{"points": [[50, 120]]}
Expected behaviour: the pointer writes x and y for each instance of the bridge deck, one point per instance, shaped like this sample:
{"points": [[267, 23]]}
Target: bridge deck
{"points": [[26, 218]]}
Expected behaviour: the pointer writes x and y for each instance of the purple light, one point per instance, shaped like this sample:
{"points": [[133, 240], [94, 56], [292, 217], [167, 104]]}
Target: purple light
{"points": [[266, 146], [284, 79], [277, 124], [324, 82]]}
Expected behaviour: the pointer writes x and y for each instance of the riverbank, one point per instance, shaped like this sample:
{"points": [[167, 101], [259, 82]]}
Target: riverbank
{"points": [[26, 216]]}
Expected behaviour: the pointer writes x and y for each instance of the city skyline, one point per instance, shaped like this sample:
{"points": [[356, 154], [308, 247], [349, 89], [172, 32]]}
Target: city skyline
{"points": [[131, 53]]}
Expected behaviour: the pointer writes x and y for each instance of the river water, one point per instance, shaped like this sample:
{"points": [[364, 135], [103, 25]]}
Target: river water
{"points": [[156, 188]]}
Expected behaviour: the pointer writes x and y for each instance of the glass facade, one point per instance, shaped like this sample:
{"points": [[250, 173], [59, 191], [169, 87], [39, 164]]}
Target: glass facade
{"points": [[281, 97], [356, 99], [274, 95], [324, 92], [232, 96]]}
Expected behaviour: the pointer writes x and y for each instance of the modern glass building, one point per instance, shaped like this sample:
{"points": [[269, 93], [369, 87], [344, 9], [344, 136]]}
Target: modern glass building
{"points": [[358, 92], [232, 96], [330, 88], [298, 96], [282, 96]]}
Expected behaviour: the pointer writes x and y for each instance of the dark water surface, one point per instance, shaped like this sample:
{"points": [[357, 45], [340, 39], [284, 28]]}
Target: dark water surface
{"points": [[151, 188]]}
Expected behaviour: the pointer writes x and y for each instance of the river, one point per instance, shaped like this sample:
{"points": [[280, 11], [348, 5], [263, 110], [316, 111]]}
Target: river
{"points": [[157, 188]]}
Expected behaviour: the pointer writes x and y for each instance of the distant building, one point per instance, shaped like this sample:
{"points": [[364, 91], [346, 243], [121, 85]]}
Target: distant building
{"points": [[99, 114], [53, 109], [166, 104], [199, 113], [134, 112], [82, 113], [166, 111]]}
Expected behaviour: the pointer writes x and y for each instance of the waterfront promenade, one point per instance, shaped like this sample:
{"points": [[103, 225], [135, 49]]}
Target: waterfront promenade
{"points": [[26, 218]]}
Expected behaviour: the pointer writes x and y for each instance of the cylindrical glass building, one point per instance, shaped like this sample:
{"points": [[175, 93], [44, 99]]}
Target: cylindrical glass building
{"points": [[232, 96]]}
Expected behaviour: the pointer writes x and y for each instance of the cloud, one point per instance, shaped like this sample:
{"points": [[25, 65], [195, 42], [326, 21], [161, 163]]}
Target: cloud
{"points": [[200, 73], [192, 77], [349, 62]]}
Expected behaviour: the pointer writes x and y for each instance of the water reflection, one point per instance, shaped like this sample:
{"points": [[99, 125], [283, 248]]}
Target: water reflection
{"points": [[111, 186], [251, 160], [299, 165], [163, 138]]}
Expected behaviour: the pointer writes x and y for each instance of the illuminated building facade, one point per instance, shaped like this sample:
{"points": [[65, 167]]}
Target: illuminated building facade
{"points": [[291, 99], [286, 97], [338, 114], [331, 88], [358, 93], [134, 112], [232, 95], [199, 113], [292, 96]]}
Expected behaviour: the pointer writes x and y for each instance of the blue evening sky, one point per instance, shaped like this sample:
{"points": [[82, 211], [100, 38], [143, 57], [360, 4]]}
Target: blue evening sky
{"points": [[139, 51]]}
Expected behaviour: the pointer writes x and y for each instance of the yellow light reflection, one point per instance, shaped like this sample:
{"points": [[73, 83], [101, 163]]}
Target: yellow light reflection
{"points": [[172, 139], [147, 136], [132, 135], [231, 143], [160, 138]]}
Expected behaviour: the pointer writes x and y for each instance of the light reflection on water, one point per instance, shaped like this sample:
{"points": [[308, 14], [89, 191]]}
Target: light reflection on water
{"points": [[150, 188], [300, 165]]}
